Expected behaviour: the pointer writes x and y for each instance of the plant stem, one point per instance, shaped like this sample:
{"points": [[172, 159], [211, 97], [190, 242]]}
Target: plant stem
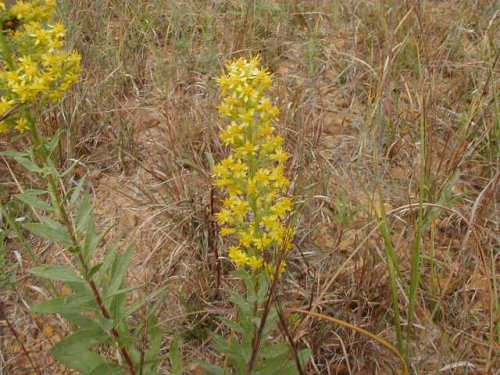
{"points": [[58, 199], [263, 320]]}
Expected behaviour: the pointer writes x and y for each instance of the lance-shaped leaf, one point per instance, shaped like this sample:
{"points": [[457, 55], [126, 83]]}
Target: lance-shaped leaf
{"points": [[81, 340], [30, 197], [57, 273], [175, 357], [119, 271], [76, 303], [28, 164], [50, 230], [85, 214], [87, 363], [108, 369]]}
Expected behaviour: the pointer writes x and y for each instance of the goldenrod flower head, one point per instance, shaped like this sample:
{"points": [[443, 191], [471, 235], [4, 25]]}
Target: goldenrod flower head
{"points": [[21, 125], [252, 176], [34, 68]]}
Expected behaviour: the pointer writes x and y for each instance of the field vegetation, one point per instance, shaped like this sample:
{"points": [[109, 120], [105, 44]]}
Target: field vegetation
{"points": [[389, 112]]}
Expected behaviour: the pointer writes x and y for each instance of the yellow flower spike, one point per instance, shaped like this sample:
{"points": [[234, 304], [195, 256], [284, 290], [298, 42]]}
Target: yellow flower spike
{"points": [[252, 177]]}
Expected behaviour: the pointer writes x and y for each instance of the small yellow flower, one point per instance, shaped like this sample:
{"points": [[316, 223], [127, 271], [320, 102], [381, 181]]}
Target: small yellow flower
{"points": [[21, 125], [59, 30], [255, 262], [4, 106], [3, 127], [227, 231], [224, 217], [246, 238], [282, 207], [238, 256]]}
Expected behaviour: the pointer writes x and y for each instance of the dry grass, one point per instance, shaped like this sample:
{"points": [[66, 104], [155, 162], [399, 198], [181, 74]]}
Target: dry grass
{"points": [[383, 104]]}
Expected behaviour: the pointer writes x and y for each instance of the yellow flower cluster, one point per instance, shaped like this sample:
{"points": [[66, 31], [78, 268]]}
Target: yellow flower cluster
{"points": [[254, 212], [33, 66]]}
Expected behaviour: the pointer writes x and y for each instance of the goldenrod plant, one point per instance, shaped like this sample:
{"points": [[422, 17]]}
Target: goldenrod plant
{"points": [[252, 176], [254, 218], [35, 71]]}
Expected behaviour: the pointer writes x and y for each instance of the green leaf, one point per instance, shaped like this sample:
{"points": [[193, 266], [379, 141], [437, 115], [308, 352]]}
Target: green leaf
{"points": [[238, 354], [175, 357], [82, 321], [108, 369], [86, 362], [51, 169], [85, 323], [75, 194], [69, 169], [85, 214], [57, 273], [117, 281], [271, 322], [119, 271], [131, 309], [29, 165], [94, 270], [124, 291], [53, 142], [80, 340], [13, 154], [92, 241], [220, 343], [211, 369], [79, 287], [304, 357], [276, 350], [50, 230], [246, 277], [106, 324], [152, 357], [117, 308], [151, 311], [235, 326], [76, 303], [277, 357], [290, 367], [242, 304], [31, 200]]}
